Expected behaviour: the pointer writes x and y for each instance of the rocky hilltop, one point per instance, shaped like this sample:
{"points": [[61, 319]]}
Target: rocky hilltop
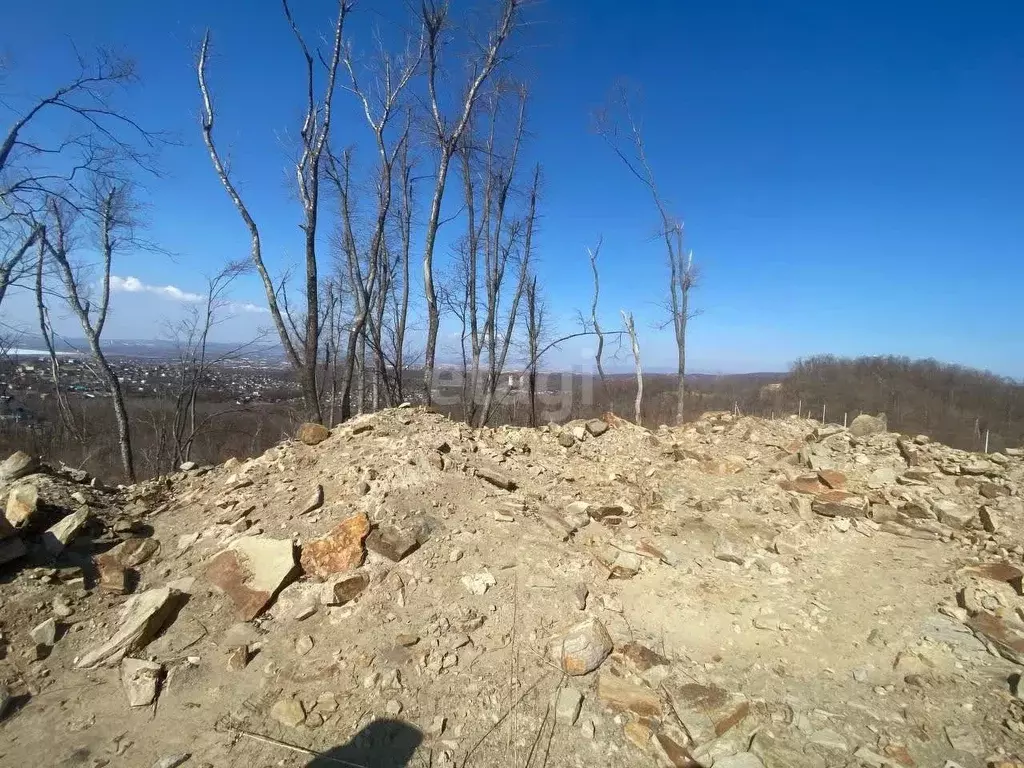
{"points": [[405, 590]]}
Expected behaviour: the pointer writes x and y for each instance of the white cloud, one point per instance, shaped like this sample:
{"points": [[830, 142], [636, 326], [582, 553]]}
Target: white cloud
{"points": [[249, 307], [134, 285], [174, 293]]}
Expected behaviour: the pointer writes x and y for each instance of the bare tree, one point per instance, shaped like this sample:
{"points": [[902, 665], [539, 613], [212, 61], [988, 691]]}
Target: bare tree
{"points": [[301, 346], [536, 326], [447, 133], [595, 324], [112, 216], [192, 336], [57, 145], [96, 137], [497, 241], [14, 263], [365, 267], [627, 321], [623, 133]]}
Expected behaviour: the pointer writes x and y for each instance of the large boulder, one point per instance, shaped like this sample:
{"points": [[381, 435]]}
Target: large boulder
{"points": [[865, 425], [22, 505], [251, 571], [312, 434]]}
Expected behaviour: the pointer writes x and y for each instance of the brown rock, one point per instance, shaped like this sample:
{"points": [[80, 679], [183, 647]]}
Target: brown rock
{"points": [[238, 657], [671, 753], [706, 711], [641, 657], [251, 571], [638, 734], [110, 574], [596, 427], [340, 550], [832, 478], [131, 553], [1009, 574], [58, 536], [495, 478], [566, 440], [583, 648], [910, 453], [988, 519], [992, 490], [1008, 640], [391, 543], [840, 504], [345, 588], [623, 696], [865, 425], [312, 434], [808, 484]]}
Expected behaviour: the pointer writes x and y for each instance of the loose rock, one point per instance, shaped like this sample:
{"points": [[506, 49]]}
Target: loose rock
{"points": [[340, 550], [141, 680], [312, 434], [583, 648], [251, 571]]}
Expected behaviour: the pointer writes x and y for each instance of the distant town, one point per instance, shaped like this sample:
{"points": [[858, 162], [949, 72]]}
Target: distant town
{"points": [[27, 378]]}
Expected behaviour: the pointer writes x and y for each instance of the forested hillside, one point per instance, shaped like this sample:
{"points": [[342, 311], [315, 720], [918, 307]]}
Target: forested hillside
{"points": [[950, 403]]}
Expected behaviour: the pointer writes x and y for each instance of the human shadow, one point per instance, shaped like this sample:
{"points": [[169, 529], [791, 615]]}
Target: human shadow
{"points": [[380, 744]]}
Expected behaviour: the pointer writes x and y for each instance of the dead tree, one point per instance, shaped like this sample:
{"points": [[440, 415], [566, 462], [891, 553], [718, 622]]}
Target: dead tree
{"points": [[57, 145], [623, 133], [447, 133], [112, 217], [536, 325], [595, 324], [627, 322], [301, 345], [192, 337], [497, 241], [365, 265]]}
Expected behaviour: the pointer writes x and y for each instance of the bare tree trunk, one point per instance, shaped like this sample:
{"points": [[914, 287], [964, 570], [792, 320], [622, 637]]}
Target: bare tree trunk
{"points": [[627, 320], [45, 330], [361, 382], [535, 317], [599, 354]]}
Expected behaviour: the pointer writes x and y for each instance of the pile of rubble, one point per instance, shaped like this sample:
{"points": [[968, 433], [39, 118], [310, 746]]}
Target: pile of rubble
{"points": [[402, 589]]}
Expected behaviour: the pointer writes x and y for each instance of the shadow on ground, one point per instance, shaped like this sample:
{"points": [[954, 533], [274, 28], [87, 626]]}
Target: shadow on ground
{"points": [[380, 744]]}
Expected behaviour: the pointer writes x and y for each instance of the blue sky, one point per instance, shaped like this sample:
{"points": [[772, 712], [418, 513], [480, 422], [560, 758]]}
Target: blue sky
{"points": [[851, 174]]}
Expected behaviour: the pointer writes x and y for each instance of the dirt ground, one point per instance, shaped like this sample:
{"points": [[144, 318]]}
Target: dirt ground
{"points": [[776, 594]]}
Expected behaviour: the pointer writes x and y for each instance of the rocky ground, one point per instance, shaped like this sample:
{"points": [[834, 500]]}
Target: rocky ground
{"points": [[405, 590]]}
